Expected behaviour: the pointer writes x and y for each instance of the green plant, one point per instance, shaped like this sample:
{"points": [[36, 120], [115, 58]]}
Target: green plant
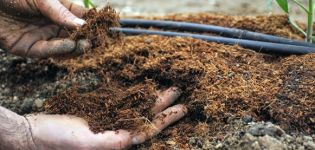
{"points": [[89, 4], [309, 10]]}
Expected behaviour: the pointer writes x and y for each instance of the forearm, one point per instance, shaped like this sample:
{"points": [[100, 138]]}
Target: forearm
{"points": [[15, 132]]}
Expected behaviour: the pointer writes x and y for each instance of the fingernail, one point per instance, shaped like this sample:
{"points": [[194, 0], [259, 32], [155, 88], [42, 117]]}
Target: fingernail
{"points": [[82, 46], [137, 140], [79, 22]]}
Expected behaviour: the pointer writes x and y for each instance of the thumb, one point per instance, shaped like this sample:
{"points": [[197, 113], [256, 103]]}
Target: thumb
{"points": [[59, 14]]}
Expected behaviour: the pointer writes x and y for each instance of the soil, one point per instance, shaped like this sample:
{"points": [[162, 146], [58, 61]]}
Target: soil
{"points": [[97, 28], [224, 87]]}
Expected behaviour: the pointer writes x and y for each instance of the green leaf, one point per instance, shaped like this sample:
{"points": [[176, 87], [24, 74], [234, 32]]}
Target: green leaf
{"points": [[284, 5], [92, 5], [88, 3]]}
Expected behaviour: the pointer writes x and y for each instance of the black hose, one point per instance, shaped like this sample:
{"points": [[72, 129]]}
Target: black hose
{"points": [[265, 47], [201, 28]]}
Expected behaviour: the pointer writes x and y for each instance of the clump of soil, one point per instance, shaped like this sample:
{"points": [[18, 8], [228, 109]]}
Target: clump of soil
{"points": [[220, 83], [97, 27]]}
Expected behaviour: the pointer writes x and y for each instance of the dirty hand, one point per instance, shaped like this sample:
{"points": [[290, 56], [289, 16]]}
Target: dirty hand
{"points": [[34, 28], [72, 133]]}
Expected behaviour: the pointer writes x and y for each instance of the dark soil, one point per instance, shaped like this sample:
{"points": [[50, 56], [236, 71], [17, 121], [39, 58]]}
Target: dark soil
{"points": [[220, 83]]}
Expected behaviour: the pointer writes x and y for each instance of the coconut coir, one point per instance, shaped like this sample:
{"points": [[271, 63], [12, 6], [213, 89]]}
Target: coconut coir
{"points": [[220, 83], [97, 27], [111, 106]]}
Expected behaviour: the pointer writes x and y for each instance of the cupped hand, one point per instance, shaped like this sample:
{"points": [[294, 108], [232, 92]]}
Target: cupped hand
{"points": [[35, 28], [51, 132]]}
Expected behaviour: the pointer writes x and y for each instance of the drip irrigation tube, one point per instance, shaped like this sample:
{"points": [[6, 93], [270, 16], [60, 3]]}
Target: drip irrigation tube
{"points": [[201, 28], [265, 47]]}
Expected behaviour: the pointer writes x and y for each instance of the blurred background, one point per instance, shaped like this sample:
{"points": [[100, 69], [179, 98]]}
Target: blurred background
{"points": [[163, 7]]}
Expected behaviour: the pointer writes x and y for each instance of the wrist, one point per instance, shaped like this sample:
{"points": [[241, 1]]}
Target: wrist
{"points": [[30, 144], [15, 131]]}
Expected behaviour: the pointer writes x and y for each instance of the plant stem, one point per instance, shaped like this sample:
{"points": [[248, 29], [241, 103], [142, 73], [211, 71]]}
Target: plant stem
{"points": [[309, 35], [301, 5]]}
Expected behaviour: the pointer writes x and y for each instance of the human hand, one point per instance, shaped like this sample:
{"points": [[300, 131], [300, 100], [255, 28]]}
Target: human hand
{"points": [[51, 132], [34, 28]]}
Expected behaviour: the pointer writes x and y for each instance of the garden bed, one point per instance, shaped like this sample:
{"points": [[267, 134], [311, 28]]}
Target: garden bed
{"points": [[221, 84]]}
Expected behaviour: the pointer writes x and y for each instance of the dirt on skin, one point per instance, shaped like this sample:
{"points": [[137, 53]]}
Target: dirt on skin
{"points": [[220, 83]]}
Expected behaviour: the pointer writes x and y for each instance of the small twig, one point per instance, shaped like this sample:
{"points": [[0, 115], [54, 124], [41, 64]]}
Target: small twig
{"points": [[140, 118]]}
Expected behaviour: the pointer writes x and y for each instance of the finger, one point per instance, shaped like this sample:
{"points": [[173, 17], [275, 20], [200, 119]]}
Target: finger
{"points": [[165, 99], [77, 10], [23, 44], [58, 48], [59, 14], [160, 122], [9, 38], [81, 48]]}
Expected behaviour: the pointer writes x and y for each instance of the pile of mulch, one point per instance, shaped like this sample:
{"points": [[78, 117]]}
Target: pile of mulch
{"points": [[220, 83], [109, 107]]}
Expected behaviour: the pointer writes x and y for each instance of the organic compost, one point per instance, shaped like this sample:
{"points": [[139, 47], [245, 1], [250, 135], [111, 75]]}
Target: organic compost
{"points": [[220, 83]]}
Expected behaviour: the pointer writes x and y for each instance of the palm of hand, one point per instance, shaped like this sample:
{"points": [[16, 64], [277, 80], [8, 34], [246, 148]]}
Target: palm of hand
{"points": [[72, 133]]}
